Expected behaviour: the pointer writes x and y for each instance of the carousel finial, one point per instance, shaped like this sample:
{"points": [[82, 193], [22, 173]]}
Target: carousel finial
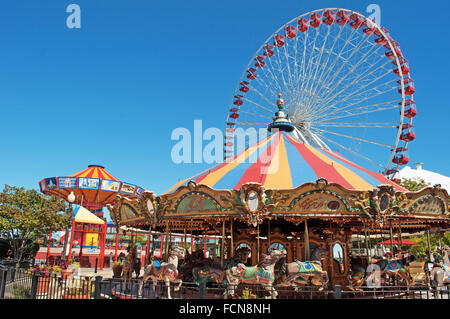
{"points": [[280, 101]]}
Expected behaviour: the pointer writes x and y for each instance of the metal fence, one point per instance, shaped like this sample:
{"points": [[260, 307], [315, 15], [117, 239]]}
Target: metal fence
{"points": [[24, 284]]}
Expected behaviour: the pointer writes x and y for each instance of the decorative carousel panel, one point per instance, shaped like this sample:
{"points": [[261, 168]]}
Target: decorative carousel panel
{"points": [[428, 205], [196, 202], [319, 200]]}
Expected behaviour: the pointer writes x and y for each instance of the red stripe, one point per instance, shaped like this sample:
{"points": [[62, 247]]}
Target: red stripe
{"points": [[379, 177], [90, 173], [319, 167], [201, 177], [80, 173], [253, 173]]}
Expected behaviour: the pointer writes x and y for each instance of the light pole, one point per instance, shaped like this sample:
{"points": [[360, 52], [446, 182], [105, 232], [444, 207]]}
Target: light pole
{"points": [[70, 199]]}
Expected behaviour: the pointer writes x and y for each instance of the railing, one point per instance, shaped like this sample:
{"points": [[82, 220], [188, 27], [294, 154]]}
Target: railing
{"points": [[24, 284]]}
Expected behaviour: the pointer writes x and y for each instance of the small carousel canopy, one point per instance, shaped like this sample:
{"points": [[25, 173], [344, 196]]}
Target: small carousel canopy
{"points": [[282, 161], [82, 215], [93, 187]]}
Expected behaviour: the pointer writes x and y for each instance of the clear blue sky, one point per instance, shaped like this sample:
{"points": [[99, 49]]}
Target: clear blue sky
{"points": [[111, 92]]}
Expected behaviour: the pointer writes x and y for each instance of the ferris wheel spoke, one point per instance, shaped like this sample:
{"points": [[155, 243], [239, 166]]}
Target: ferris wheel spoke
{"points": [[327, 98], [310, 85], [338, 56], [359, 92], [348, 114], [308, 67], [355, 66], [267, 87], [253, 123], [322, 70], [353, 152], [258, 105], [255, 114], [334, 75], [355, 138], [353, 124]]}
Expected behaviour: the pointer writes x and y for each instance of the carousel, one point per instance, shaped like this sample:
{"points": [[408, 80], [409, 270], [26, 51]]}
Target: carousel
{"points": [[343, 90], [299, 200]]}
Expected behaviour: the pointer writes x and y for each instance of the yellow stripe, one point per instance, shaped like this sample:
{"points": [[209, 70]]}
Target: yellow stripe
{"points": [[95, 174], [353, 179], [215, 176], [279, 172], [190, 178]]}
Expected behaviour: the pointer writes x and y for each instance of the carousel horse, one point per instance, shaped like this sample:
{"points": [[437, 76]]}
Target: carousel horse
{"points": [[262, 274], [128, 267], [301, 273], [440, 274], [361, 272], [166, 271], [211, 270]]}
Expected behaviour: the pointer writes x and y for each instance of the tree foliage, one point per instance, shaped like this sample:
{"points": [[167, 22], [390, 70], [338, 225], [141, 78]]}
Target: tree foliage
{"points": [[26, 214], [413, 184]]}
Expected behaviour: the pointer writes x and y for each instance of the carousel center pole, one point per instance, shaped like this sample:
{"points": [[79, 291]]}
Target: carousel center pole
{"points": [[117, 244], [367, 245]]}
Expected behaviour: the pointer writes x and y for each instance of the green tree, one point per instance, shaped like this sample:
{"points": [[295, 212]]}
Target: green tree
{"points": [[413, 184], [26, 214]]}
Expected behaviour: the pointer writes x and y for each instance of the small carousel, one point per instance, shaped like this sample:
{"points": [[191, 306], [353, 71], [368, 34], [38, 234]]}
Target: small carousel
{"points": [[294, 198]]}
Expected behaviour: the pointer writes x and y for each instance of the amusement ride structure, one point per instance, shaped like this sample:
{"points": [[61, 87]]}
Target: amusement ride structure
{"points": [[337, 83]]}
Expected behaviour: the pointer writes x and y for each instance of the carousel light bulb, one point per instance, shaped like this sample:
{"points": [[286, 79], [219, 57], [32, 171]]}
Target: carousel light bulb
{"points": [[71, 197]]}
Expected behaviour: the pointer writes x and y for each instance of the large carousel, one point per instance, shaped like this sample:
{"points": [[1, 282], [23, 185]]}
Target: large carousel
{"points": [[293, 197], [344, 92]]}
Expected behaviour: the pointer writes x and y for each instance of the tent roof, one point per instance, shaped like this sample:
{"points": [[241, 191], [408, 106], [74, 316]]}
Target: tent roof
{"points": [[95, 171], [82, 215], [281, 161]]}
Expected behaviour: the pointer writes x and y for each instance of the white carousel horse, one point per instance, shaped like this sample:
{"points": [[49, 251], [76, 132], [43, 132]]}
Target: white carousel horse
{"points": [[166, 271]]}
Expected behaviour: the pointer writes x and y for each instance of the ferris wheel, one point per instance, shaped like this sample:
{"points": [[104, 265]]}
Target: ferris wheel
{"points": [[346, 85]]}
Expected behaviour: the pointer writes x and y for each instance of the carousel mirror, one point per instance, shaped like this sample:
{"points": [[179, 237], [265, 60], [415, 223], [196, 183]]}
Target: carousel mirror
{"points": [[338, 256], [150, 207], [252, 201]]}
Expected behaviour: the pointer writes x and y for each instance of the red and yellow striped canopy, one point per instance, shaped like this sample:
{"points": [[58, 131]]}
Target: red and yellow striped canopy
{"points": [[281, 161], [95, 171]]}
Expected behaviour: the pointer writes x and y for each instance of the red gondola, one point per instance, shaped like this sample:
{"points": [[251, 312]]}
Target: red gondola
{"points": [[392, 171], [290, 32], [409, 86], [279, 40], [404, 67], [315, 20], [369, 23], [302, 25], [389, 53], [251, 74], [357, 21], [410, 108], [407, 133], [343, 18], [268, 50], [244, 89], [401, 156], [330, 17], [238, 102]]}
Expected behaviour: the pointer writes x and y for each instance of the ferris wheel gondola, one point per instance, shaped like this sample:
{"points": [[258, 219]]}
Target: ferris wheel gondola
{"points": [[346, 84]]}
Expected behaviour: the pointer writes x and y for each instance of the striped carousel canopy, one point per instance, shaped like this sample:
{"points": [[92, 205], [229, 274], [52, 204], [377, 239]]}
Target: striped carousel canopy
{"points": [[281, 161], [95, 171]]}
